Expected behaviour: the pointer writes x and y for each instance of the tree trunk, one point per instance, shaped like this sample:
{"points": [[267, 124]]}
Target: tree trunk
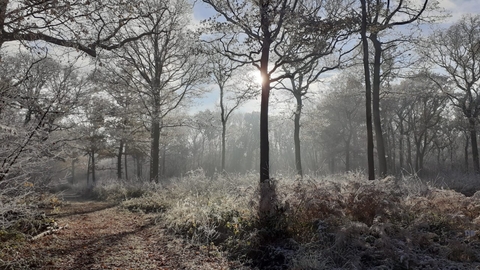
{"points": [[382, 160], [89, 169], [264, 144], [139, 168], [409, 154], [264, 59], [417, 156], [155, 129], [473, 138], [268, 195], [224, 134], [368, 94], [400, 147], [393, 150], [296, 136], [452, 166], [119, 160], [126, 162], [93, 168], [154, 151]]}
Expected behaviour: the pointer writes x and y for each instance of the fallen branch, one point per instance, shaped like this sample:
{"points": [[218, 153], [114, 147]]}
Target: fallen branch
{"points": [[50, 230]]}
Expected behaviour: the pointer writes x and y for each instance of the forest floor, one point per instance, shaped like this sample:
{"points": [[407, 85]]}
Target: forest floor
{"points": [[200, 223], [100, 235]]}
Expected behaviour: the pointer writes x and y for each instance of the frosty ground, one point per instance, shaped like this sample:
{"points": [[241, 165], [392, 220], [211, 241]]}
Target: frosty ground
{"points": [[199, 222]]}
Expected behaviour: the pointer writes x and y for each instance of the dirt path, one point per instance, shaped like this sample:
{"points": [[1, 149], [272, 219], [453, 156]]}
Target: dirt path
{"points": [[99, 235]]}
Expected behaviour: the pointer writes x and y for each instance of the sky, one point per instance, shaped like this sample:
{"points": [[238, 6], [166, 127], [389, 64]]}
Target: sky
{"points": [[456, 9]]}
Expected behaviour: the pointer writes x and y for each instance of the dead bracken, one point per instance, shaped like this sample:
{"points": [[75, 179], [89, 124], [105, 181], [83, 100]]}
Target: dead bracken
{"points": [[339, 222]]}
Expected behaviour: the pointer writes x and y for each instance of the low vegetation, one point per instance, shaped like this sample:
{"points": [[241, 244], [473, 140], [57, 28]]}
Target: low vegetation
{"points": [[334, 222]]}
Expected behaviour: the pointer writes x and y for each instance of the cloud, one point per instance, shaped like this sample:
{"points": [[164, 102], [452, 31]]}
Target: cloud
{"points": [[459, 8]]}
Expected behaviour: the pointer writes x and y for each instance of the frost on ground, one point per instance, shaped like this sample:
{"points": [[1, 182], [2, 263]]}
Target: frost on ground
{"points": [[196, 222]]}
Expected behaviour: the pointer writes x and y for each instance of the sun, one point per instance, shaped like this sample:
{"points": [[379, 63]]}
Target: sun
{"points": [[256, 77]]}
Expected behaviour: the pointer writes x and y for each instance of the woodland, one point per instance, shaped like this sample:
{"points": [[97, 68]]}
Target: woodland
{"points": [[275, 134]]}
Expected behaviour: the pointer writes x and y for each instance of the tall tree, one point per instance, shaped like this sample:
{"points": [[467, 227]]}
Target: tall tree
{"points": [[456, 51], [379, 16], [301, 76], [235, 87], [325, 53], [164, 67], [255, 32], [368, 92]]}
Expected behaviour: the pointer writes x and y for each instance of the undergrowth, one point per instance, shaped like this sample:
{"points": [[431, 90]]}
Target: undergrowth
{"points": [[22, 215], [341, 222], [336, 222]]}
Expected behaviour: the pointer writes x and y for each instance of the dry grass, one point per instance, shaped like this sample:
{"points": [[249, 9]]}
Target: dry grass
{"points": [[338, 222], [341, 222]]}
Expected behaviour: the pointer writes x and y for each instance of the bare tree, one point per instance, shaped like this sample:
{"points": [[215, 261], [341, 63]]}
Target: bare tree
{"points": [[164, 68], [38, 94], [301, 76], [83, 25], [255, 32], [235, 87], [456, 51], [379, 17], [425, 109]]}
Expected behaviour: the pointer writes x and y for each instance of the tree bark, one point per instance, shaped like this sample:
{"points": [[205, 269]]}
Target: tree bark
{"points": [[125, 161], [377, 121], [89, 169], [417, 154], [93, 168], [409, 154], [264, 59], [296, 136], [224, 134], [119, 160], [154, 151], [224, 126], [400, 146], [368, 94], [139, 168], [347, 153]]}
